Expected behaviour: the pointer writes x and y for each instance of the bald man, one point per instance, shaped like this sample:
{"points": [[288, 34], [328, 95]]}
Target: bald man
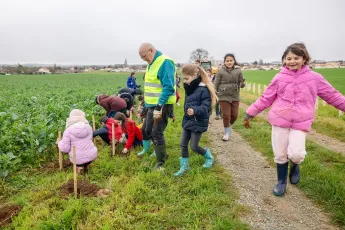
{"points": [[159, 97]]}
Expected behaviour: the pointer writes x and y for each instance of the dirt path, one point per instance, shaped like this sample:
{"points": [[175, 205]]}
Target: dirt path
{"points": [[323, 140], [254, 179]]}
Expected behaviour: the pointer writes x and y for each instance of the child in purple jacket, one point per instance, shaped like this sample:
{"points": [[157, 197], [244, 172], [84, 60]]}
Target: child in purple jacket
{"points": [[78, 133], [292, 95]]}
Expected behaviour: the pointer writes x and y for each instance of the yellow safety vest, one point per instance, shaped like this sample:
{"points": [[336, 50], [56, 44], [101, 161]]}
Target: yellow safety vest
{"points": [[153, 87]]}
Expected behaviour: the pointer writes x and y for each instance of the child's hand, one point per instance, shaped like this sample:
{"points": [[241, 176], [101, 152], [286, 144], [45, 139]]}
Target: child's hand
{"points": [[125, 150], [190, 112], [247, 119], [58, 140]]}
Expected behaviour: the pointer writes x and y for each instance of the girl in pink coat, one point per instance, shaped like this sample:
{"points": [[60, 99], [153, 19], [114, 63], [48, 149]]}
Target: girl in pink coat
{"points": [[292, 95], [78, 133]]}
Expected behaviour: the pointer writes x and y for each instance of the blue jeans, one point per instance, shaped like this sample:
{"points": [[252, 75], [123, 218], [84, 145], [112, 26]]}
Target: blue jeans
{"points": [[111, 114]]}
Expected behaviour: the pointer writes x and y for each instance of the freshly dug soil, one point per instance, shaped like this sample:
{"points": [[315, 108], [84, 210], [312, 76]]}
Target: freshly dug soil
{"points": [[7, 212], [55, 165], [84, 188]]}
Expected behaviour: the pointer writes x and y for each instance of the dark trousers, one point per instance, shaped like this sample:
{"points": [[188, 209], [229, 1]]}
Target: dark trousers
{"points": [[105, 138], [155, 132], [111, 114], [194, 139], [136, 142], [103, 133], [218, 111]]}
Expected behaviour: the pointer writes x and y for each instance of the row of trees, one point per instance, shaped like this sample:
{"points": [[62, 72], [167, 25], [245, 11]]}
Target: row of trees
{"points": [[202, 54]]}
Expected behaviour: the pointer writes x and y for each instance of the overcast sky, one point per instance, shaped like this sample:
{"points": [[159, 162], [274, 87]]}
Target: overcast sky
{"points": [[108, 31]]}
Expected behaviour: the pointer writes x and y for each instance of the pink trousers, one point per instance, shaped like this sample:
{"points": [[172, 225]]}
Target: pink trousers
{"points": [[288, 144]]}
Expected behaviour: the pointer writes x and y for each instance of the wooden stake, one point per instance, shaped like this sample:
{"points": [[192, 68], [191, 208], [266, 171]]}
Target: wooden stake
{"points": [[259, 89], [93, 123], [60, 154], [113, 137], [130, 114], [341, 113], [75, 171]]}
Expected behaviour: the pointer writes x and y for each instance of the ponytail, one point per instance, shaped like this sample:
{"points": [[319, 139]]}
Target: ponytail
{"points": [[209, 85]]}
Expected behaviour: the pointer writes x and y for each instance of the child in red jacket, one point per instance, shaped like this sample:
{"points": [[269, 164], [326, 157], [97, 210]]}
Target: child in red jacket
{"points": [[132, 132], [106, 131]]}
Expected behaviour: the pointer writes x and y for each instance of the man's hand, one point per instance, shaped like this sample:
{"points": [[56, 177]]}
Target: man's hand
{"points": [[157, 114], [125, 150], [247, 119], [190, 112]]}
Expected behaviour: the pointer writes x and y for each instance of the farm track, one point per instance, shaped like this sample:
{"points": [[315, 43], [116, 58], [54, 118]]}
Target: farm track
{"points": [[254, 178], [321, 139]]}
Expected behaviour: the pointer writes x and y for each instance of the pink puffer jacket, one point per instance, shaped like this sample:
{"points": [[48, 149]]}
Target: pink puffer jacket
{"points": [[79, 135], [293, 96]]}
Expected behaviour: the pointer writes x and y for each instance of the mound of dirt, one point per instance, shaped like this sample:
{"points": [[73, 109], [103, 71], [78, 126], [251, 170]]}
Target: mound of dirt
{"points": [[55, 165], [7, 212], [84, 188]]}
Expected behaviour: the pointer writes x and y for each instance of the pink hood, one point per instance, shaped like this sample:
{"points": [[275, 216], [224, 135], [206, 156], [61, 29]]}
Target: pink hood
{"points": [[292, 97], [79, 135]]}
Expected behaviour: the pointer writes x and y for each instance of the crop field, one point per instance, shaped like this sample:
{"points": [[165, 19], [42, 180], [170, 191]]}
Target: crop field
{"points": [[34, 108]]}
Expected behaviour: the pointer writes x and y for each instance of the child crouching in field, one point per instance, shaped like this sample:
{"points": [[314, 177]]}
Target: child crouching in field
{"points": [[133, 134], [106, 132], [292, 94], [78, 133], [199, 96]]}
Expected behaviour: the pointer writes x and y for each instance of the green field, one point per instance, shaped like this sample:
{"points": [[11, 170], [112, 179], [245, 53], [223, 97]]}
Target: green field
{"points": [[335, 76], [33, 108], [327, 120]]}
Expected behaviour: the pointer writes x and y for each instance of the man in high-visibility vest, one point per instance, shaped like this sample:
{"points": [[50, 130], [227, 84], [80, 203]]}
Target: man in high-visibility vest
{"points": [[159, 97]]}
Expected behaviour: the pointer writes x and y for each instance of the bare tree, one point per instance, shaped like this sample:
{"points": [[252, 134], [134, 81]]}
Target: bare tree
{"points": [[198, 54]]}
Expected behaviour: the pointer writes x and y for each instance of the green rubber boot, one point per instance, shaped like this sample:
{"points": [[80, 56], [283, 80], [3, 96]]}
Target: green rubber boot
{"points": [[146, 148]]}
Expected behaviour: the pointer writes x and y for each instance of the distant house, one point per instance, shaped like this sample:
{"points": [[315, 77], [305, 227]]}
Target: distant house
{"points": [[43, 71]]}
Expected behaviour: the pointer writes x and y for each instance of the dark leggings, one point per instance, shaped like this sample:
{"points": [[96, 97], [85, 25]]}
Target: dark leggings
{"points": [[194, 139], [229, 112]]}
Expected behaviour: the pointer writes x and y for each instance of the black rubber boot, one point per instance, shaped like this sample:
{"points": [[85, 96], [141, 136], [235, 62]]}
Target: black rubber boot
{"points": [[295, 173], [161, 156], [282, 171]]}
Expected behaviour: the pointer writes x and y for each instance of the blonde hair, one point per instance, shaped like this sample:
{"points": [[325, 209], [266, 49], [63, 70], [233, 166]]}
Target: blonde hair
{"points": [[192, 69]]}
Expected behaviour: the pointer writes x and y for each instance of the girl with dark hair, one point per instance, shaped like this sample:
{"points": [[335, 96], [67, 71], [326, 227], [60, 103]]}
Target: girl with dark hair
{"points": [[228, 81], [133, 134]]}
